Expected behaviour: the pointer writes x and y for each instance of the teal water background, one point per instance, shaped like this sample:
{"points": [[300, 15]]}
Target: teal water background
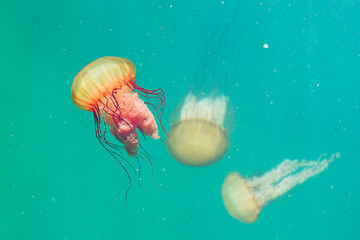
{"points": [[298, 98]]}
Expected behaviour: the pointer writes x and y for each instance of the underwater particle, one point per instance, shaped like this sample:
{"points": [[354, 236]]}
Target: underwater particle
{"points": [[107, 88], [198, 138], [244, 197], [265, 45]]}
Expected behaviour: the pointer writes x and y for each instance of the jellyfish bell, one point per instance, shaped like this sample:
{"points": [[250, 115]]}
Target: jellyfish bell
{"points": [[99, 78], [245, 197], [107, 88], [198, 137], [239, 199]]}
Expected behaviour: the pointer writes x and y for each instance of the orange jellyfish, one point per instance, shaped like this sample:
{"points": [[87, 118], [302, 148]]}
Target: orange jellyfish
{"points": [[107, 88]]}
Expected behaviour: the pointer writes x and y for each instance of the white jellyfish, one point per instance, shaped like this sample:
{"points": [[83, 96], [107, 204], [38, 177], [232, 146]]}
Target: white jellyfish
{"points": [[198, 138], [244, 198]]}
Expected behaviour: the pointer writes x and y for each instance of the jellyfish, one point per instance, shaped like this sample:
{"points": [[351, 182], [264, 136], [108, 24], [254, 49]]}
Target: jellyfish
{"points": [[244, 197], [107, 88], [198, 138]]}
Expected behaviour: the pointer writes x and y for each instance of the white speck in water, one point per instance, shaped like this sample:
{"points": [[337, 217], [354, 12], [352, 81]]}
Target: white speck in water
{"points": [[265, 45]]}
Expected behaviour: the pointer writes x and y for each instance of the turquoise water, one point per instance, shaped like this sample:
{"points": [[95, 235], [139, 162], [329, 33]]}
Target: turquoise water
{"points": [[291, 72]]}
